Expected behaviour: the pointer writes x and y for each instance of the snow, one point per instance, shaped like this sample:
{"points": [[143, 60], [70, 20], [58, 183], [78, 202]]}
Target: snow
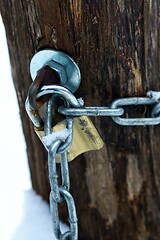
{"points": [[81, 101], [35, 222], [23, 214], [154, 95], [59, 135]]}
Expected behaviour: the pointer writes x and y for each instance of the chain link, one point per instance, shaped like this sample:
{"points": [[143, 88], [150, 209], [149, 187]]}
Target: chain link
{"points": [[69, 75], [59, 194], [115, 111], [60, 146], [91, 111], [135, 121]]}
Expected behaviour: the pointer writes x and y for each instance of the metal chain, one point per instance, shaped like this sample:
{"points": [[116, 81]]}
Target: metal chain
{"points": [[60, 193], [69, 74], [115, 111], [60, 146]]}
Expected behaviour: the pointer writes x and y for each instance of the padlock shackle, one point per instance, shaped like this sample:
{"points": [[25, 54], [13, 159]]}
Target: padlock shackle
{"points": [[45, 76], [34, 115], [59, 92]]}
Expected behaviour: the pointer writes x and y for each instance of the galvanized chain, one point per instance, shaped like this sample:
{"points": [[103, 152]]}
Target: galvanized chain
{"points": [[60, 193], [116, 111], [60, 145], [69, 81]]}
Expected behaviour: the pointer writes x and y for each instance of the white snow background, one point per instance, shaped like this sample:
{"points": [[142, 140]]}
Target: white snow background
{"points": [[23, 214]]}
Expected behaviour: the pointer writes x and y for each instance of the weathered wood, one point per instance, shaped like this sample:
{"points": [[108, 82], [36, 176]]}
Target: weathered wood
{"points": [[116, 45]]}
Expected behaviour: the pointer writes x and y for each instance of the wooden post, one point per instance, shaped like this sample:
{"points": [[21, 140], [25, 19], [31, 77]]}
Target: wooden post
{"points": [[117, 47]]}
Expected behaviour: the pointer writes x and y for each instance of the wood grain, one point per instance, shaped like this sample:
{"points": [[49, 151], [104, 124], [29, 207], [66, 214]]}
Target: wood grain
{"points": [[116, 45]]}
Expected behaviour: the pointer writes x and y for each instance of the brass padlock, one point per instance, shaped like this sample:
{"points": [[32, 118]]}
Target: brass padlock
{"points": [[50, 67], [85, 137]]}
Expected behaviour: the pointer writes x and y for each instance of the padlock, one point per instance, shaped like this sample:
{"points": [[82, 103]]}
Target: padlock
{"points": [[85, 137], [55, 67]]}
